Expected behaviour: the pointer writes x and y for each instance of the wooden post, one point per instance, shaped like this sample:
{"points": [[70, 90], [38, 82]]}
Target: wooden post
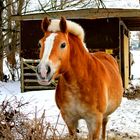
{"points": [[22, 75]]}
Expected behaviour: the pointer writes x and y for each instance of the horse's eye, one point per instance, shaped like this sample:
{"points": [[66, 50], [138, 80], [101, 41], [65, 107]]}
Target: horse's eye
{"points": [[39, 45], [63, 45]]}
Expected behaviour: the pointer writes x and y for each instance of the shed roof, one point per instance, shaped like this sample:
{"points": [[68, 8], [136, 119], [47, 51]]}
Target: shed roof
{"points": [[131, 17]]}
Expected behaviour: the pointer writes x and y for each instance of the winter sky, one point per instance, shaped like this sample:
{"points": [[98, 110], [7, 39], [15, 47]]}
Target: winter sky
{"points": [[34, 4]]}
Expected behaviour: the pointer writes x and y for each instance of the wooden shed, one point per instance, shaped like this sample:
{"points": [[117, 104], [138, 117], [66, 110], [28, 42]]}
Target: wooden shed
{"points": [[105, 30]]}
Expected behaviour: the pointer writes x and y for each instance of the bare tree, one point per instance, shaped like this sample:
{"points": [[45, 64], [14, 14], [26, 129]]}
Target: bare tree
{"points": [[50, 5], [11, 32], [1, 44]]}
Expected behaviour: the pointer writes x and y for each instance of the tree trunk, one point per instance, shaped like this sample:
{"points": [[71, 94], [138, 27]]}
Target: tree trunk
{"points": [[1, 40]]}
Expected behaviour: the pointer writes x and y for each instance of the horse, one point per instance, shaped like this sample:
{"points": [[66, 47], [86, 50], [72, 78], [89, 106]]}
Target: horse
{"points": [[89, 86]]}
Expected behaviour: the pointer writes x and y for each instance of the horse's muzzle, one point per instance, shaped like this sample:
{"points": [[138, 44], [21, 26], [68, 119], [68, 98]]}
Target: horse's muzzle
{"points": [[44, 74]]}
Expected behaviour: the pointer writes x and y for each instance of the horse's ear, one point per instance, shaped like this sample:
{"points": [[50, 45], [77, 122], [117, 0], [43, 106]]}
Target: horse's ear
{"points": [[63, 25], [45, 23]]}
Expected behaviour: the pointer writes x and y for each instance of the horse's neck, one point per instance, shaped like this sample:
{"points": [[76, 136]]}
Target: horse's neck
{"points": [[80, 61]]}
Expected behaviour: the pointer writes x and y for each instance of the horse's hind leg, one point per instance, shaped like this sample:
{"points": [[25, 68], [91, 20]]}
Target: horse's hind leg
{"points": [[105, 120]]}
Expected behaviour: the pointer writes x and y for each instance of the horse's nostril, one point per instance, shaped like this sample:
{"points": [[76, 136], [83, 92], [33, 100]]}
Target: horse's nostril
{"points": [[43, 78], [37, 70], [48, 69]]}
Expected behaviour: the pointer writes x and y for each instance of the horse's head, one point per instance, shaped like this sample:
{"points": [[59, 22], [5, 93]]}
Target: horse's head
{"points": [[54, 50]]}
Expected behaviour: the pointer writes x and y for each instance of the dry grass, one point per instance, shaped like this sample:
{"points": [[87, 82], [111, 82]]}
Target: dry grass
{"points": [[14, 125]]}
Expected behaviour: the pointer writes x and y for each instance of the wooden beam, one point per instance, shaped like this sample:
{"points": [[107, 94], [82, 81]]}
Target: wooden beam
{"points": [[89, 13]]}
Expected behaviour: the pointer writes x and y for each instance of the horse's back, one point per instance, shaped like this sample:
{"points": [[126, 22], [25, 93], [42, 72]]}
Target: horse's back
{"points": [[106, 58], [110, 64]]}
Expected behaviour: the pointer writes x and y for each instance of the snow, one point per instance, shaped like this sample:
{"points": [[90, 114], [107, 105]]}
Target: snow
{"points": [[135, 69], [125, 120], [122, 3]]}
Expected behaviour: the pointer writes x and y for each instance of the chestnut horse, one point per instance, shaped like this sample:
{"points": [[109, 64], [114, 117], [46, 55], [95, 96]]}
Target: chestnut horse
{"points": [[89, 86]]}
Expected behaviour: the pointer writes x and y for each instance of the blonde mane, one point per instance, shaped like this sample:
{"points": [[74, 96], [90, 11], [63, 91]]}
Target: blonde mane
{"points": [[72, 27]]}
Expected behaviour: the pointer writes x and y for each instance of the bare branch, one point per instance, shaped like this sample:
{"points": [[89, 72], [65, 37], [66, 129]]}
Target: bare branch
{"points": [[41, 6], [9, 4]]}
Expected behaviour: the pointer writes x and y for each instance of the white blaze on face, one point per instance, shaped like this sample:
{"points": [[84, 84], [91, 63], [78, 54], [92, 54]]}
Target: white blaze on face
{"points": [[48, 45]]}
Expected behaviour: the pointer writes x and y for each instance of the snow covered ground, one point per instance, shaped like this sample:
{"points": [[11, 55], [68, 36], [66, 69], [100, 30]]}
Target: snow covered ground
{"points": [[124, 121]]}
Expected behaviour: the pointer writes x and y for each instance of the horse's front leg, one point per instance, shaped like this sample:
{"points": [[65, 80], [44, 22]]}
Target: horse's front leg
{"points": [[94, 124], [72, 124]]}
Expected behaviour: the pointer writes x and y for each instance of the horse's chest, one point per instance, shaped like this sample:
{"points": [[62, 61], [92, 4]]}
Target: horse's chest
{"points": [[75, 105]]}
